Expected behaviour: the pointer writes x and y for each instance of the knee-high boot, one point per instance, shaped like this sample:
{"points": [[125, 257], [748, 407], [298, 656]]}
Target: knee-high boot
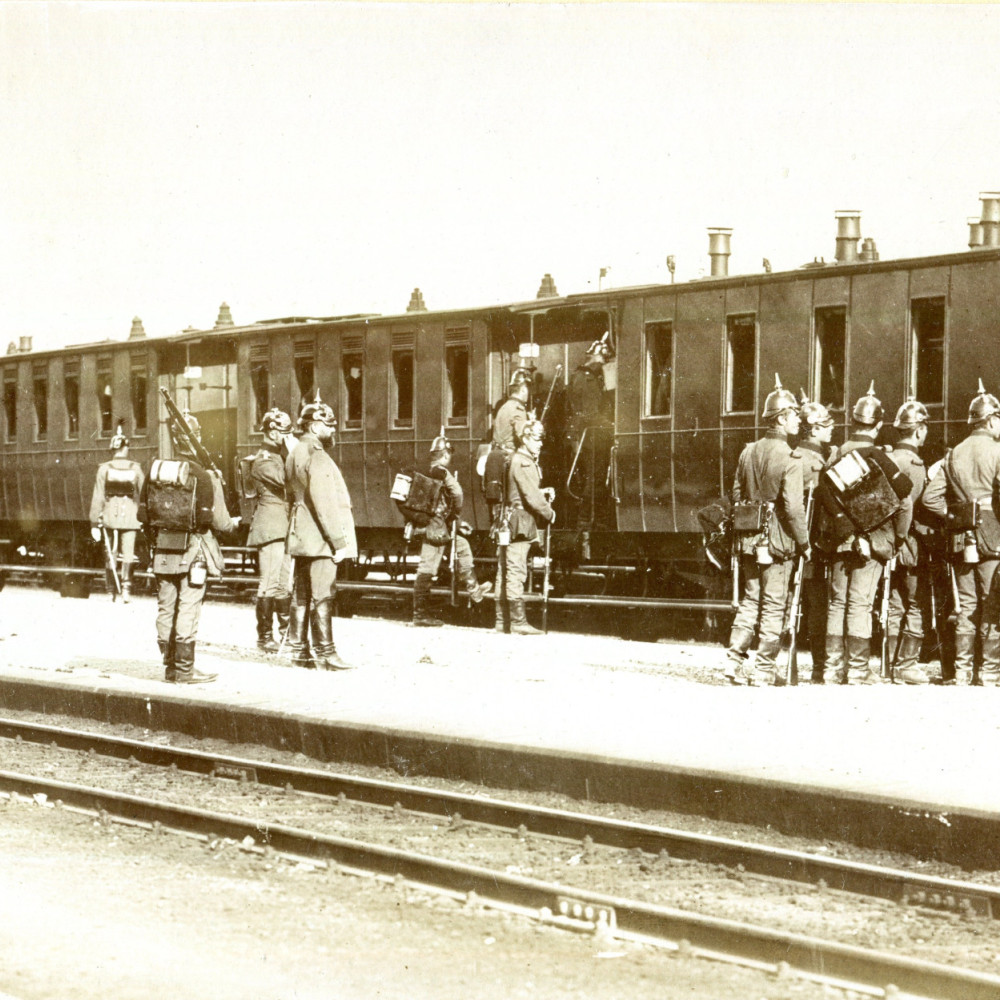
{"points": [[325, 651], [265, 615], [740, 641], [184, 672], [127, 568], [519, 620], [168, 652], [298, 636], [907, 670], [965, 646], [421, 600], [836, 669], [282, 607], [859, 669]]}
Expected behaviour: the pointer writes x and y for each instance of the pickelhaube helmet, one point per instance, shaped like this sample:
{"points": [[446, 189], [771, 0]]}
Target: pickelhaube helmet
{"points": [[533, 429], [518, 377], [910, 414], [276, 420], [441, 443], [120, 439], [983, 405], [813, 414], [868, 409], [779, 400], [316, 412]]}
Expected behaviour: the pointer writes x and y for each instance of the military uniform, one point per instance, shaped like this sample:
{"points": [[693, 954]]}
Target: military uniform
{"points": [[529, 510], [586, 397], [768, 471], [508, 424], [114, 507], [321, 527], [972, 472]]}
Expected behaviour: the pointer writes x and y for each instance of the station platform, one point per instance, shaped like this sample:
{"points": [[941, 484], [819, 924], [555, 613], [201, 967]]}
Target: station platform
{"points": [[599, 718]]}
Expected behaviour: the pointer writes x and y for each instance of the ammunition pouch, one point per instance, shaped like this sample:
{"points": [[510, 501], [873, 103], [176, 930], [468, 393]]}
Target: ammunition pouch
{"points": [[964, 516], [751, 516], [437, 533]]}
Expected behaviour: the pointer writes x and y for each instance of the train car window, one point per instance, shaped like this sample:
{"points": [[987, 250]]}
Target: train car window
{"points": [[105, 396], [352, 367], [659, 368], [741, 338], [456, 403], [927, 353], [260, 381], [10, 403], [138, 389], [831, 355], [71, 398], [402, 388], [40, 395], [305, 367]]}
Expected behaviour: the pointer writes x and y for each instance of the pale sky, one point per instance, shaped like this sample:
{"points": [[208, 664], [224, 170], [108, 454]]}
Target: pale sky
{"points": [[325, 158]]}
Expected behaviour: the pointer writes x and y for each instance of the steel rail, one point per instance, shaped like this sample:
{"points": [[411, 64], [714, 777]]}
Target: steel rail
{"points": [[891, 884], [844, 965]]}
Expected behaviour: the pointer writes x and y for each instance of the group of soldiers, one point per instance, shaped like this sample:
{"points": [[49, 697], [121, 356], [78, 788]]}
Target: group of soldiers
{"points": [[847, 526]]}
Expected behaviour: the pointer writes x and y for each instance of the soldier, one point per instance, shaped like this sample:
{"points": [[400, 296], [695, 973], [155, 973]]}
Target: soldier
{"points": [[768, 479], [588, 424], [269, 527], [910, 579], [965, 494], [508, 423], [859, 560], [530, 507], [181, 505], [449, 509], [816, 451], [320, 535], [114, 507]]}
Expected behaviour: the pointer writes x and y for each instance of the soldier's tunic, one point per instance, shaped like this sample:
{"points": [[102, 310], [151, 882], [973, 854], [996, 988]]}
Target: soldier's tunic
{"points": [[768, 471], [116, 507], [449, 508], [269, 528], [972, 472], [508, 424], [321, 522], [529, 510]]}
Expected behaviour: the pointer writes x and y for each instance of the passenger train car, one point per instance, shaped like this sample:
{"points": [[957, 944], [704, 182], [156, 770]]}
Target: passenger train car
{"points": [[683, 390]]}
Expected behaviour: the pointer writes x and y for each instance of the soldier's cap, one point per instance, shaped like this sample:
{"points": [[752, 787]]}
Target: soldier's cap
{"points": [[868, 409], [779, 400], [120, 439], [816, 415], [533, 429], [317, 413], [441, 443], [910, 415], [983, 406], [518, 377], [276, 420]]}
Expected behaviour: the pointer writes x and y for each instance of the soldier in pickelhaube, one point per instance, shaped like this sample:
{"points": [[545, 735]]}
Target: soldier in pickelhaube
{"points": [[320, 536], [859, 560], [910, 581], [966, 495], [816, 451], [513, 414], [769, 476], [114, 507], [447, 512], [269, 527]]}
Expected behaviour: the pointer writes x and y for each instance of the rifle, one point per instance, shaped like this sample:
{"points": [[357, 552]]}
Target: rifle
{"points": [[734, 565], [451, 563], [956, 600], [110, 556], [545, 579], [199, 451], [883, 617], [795, 608], [548, 398]]}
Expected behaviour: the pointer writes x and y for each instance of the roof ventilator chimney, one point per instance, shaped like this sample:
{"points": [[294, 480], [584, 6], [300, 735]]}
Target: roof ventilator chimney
{"points": [[12, 348], [848, 234], [137, 330], [417, 304], [225, 317], [869, 251], [975, 233], [24, 347], [718, 250], [991, 218], [547, 289]]}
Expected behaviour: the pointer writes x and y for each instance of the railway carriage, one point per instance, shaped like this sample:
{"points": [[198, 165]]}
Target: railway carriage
{"points": [[689, 368]]}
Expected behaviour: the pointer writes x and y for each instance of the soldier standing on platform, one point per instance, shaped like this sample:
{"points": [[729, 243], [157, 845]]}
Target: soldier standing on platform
{"points": [[513, 413], [530, 507], [911, 577], [320, 535], [768, 489], [449, 510], [181, 505], [859, 562], [269, 527], [816, 452], [966, 495], [114, 507]]}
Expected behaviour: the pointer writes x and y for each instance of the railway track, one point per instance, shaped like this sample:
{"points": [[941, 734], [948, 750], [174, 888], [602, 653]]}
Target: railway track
{"points": [[839, 964]]}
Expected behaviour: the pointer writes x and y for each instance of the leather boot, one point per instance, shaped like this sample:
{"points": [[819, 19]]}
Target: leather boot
{"points": [[282, 608], [265, 615], [184, 672], [109, 583], [989, 673], [740, 640], [298, 637], [519, 620], [765, 673], [859, 669], [502, 614], [907, 670], [836, 668], [477, 591], [421, 599], [168, 653], [325, 652], [127, 581], [965, 645]]}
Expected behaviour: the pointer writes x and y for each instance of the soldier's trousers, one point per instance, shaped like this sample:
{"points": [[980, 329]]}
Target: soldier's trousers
{"points": [[907, 597], [431, 555], [275, 568], [973, 623], [315, 580], [853, 585], [765, 595], [512, 573], [178, 606]]}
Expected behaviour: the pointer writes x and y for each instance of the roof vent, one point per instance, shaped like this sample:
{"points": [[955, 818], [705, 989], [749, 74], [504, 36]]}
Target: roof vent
{"points": [[12, 348], [991, 218], [417, 304], [975, 233], [848, 234], [869, 251], [547, 289], [225, 317], [24, 345], [718, 250], [137, 330]]}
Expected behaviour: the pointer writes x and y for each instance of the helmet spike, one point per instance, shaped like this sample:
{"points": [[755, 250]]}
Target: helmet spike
{"points": [[777, 382], [803, 398], [871, 389], [982, 388]]}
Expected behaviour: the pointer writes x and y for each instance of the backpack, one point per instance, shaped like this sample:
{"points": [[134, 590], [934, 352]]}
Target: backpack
{"points": [[120, 482], [866, 486], [417, 496], [495, 476], [247, 489], [171, 498]]}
